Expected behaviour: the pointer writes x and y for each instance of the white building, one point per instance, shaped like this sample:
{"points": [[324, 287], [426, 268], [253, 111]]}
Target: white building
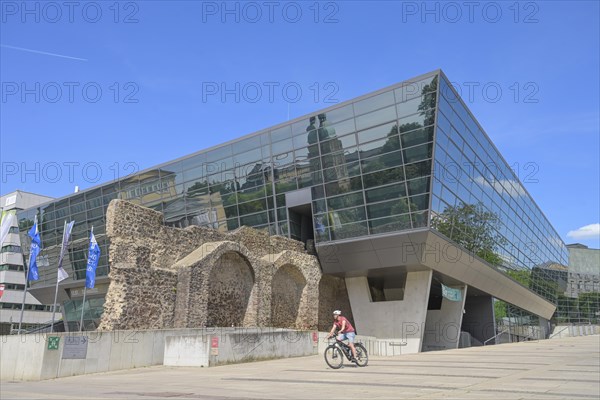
{"points": [[12, 270]]}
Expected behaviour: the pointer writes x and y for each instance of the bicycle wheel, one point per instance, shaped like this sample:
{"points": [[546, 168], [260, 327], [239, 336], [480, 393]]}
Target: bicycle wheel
{"points": [[334, 357], [362, 358]]}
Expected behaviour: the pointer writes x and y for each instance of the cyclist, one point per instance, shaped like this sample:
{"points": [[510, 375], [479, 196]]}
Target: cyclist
{"points": [[345, 331]]}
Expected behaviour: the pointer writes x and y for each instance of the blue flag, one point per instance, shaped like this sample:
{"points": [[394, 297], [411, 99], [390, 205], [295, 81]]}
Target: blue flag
{"points": [[36, 247], [92, 262]]}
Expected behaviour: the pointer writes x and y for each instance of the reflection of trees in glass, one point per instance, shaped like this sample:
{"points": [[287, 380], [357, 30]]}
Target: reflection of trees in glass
{"points": [[472, 227], [589, 307], [427, 107]]}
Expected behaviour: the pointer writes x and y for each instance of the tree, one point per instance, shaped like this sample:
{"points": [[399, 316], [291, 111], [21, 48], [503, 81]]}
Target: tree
{"points": [[472, 227]]}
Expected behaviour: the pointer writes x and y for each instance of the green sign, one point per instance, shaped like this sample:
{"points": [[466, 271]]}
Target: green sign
{"points": [[53, 342], [451, 293]]}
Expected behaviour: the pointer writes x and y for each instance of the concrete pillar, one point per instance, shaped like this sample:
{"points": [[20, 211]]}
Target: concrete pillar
{"points": [[401, 319], [443, 326]]}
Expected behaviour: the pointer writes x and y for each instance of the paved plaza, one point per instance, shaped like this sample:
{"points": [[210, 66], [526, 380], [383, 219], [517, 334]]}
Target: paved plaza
{"points": [[566, 368]]}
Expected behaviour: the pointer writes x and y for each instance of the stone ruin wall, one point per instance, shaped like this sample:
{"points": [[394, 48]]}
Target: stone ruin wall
{"points": [[162, 277]]}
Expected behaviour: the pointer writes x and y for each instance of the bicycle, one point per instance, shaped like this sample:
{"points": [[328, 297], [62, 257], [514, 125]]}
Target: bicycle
{"points": [[334, 354]]}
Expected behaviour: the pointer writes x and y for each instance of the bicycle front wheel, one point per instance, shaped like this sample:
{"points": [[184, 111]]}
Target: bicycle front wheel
{"points": [[362, 358], [334, 357]]}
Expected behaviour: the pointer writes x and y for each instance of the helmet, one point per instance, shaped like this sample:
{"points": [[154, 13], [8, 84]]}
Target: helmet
{"points": [[337, 312]]}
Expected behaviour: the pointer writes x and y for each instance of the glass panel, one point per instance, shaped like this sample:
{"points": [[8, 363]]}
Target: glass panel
{"points": [[252, 207], [410, 90], [383, 177], [385, 193], [413, 106], [418, 186], [339, 114], [376, 118], [399, 206], [390, 224], [248, 157], [246, 144], [345, 201], [282, 146], [378, 132], [382, 162], [418, 203], [349, 231], [254, 220], [285, 132], [377, 147], [418, 170], [418, 153], [219, 153], [338, 144], [418, 136], [416, 121], [374, 103], [343, 186]]}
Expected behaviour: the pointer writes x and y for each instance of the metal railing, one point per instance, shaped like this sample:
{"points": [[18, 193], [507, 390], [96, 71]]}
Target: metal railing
{"points": [[496, 335], [554, 334]]}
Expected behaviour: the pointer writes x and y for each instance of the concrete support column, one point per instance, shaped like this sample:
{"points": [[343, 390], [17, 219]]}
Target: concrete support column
{"points": [[401, 319], [443, 326]]}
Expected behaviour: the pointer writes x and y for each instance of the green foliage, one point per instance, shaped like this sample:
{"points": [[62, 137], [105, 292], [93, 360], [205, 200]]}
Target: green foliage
{"points": [[472, 227], [521, 276]]}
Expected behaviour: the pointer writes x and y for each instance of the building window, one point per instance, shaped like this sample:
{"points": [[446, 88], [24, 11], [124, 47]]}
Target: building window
{"points": [[11, 248], [11, 267], [387, 288]]}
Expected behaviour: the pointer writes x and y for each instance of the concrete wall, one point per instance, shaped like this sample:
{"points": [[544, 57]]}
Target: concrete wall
{"points": [[403, 319], [442, 327], [27, 357], [561, 331], [478, 320]]}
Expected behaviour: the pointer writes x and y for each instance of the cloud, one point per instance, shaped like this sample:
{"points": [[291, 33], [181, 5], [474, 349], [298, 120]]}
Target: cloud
{"points": [[586, 232]]}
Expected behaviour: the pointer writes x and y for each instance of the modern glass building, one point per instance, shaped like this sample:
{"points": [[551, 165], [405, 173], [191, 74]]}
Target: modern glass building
{"points": [[400, 191]]}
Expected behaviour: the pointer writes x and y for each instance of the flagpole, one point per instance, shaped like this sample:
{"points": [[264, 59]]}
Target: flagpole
{"points": [[82, 308], [56, 288], [24, 295], [26, 287]]}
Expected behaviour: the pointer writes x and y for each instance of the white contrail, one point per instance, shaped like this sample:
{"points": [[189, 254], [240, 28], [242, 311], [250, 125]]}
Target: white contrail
{"points": [[42, 52]]}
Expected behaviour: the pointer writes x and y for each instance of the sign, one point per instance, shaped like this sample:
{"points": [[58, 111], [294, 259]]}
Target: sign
{"points": [[78, 292], [75, 348], [315, 337], [214, 346], [53, 342], [451, 293]]}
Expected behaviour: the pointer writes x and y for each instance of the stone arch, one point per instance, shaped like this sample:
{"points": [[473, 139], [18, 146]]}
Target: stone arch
{"points": [[230, 289], [287, 295], [332, 296]]}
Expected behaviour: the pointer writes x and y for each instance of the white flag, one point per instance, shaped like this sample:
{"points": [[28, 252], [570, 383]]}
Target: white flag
{"points": [[62, 274], [7, 223]]}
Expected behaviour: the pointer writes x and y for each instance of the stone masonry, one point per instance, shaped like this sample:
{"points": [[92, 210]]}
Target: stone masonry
{"points": [[162, 277]]}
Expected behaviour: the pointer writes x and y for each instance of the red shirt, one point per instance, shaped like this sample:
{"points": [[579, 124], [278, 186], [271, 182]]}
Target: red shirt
{"points": [[340, 320]]}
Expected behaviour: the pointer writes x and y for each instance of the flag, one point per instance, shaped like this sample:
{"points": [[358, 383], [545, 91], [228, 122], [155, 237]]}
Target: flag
{"points": [[36, 247], [7, 222], [451, 293], [1, 290], [62, 274], [92, 262]]}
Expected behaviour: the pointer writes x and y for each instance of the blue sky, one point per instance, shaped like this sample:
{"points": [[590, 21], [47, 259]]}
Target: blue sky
{"points": [[89, 91]]}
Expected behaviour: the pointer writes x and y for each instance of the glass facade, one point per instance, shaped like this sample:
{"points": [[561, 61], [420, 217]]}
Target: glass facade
{"points": [[408, 157]]}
